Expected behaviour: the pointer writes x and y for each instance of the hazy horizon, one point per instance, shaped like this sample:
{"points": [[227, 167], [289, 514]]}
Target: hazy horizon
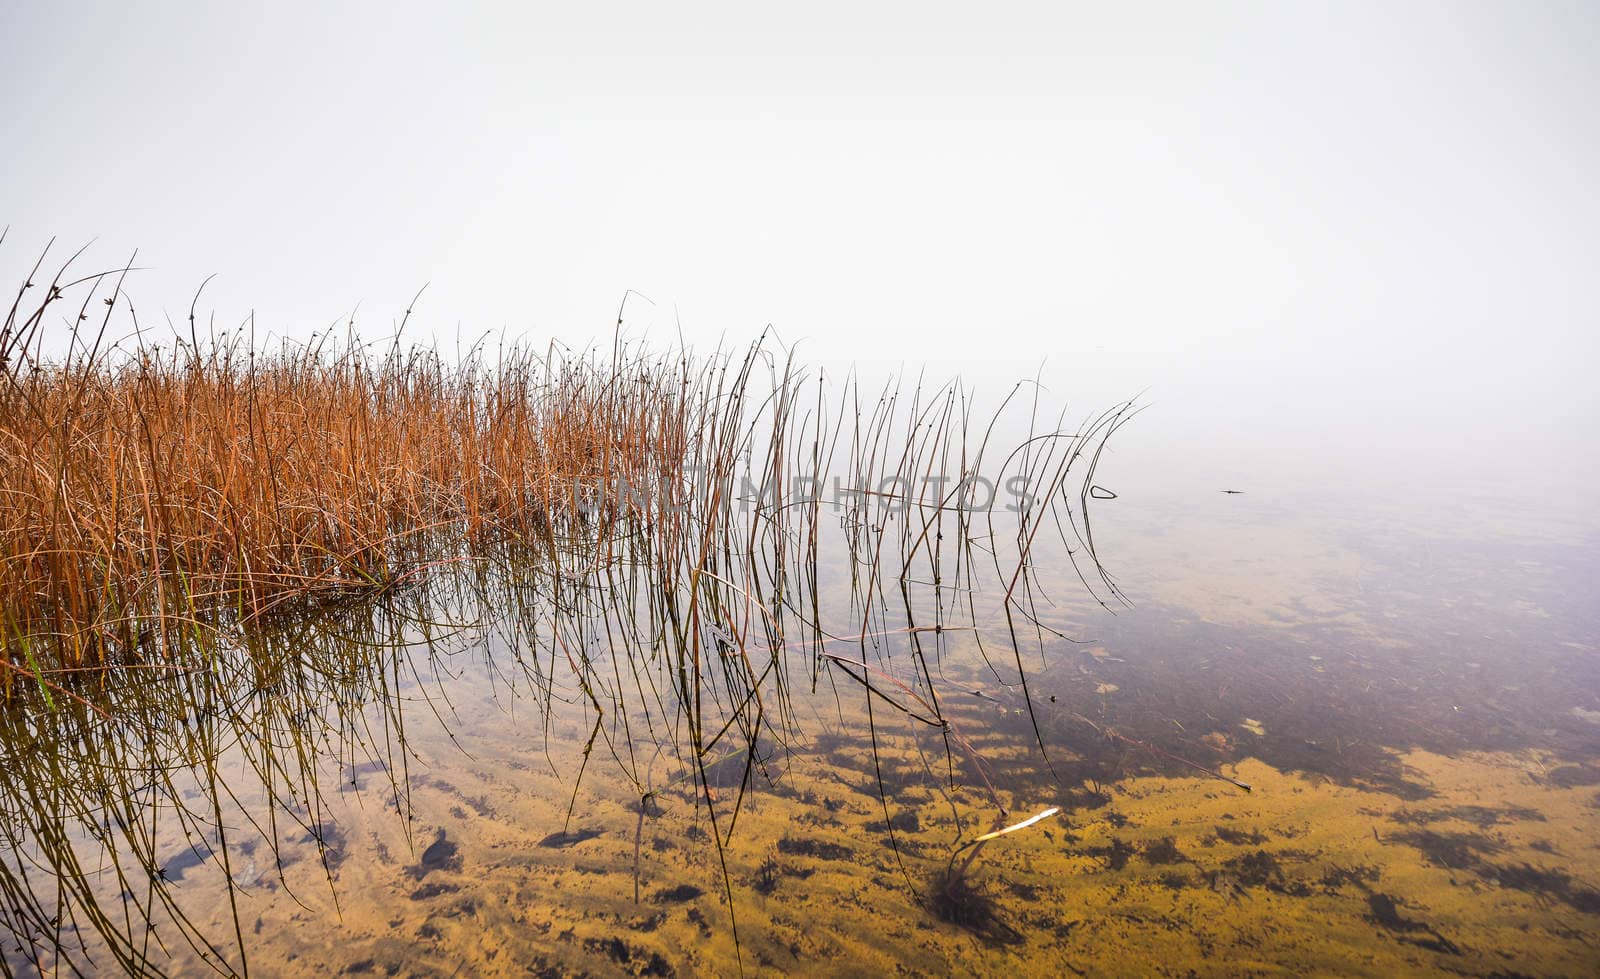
{"points": [[1327, 247]]}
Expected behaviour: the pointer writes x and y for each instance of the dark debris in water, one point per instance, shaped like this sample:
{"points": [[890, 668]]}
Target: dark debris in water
{"points": [[637, 961], [955, 899], [1227, 885], [1555, 884], [1024, 890], [1088, 799], [331, 843], [1386, 912], [1163, 851], [433, 889], [566, 838], [1116, 853], [768, 875], [441, 854], [904, 821], [1238, 837], [1337, 878], [676, 895], [1466, 851], [1258, 869], [1574, 776], [1456, 851], [820, 849], [190, 858], [1482, 817]]}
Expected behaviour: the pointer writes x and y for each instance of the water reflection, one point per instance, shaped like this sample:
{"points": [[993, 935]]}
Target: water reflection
{"points": [[467, 779]]}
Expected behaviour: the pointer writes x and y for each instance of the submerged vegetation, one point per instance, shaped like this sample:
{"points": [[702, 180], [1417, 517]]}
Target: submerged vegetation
{"points": [[221, 560]]}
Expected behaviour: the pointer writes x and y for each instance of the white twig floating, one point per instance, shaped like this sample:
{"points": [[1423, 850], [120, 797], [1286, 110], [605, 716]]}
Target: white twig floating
{"points": [[1016, 826]]}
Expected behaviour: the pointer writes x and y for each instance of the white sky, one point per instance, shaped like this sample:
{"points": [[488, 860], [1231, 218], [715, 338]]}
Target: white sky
{"points": [[1326, 239]]}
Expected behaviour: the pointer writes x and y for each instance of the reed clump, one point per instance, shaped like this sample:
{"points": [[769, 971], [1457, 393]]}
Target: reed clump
{"points": [[190, 482]]}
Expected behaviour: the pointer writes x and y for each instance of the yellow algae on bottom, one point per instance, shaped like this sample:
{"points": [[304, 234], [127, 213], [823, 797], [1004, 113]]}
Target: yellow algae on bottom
{"points": [[1488, 868]]}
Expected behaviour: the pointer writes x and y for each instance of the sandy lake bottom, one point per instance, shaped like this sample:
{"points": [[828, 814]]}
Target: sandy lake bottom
{"points": [[1415, 707]]}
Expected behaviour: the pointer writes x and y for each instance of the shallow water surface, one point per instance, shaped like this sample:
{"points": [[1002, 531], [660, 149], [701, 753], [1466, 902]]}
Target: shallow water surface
{"points": [[1413, 700]]}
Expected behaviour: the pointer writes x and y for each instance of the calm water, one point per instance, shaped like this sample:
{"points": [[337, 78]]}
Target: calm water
{"points": [[1412, 694]]}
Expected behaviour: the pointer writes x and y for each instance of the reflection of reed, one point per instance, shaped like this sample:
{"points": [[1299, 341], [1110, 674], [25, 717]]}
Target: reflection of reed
{"points": [[216, 554], [101, 795]]}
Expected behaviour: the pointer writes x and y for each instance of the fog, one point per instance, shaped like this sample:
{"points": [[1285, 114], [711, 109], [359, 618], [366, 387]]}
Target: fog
{"points": [[1329, 246]]}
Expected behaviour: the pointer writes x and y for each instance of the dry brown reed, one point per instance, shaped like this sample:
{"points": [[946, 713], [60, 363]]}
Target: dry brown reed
{"points": [[207, 527], [148, 485]]}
